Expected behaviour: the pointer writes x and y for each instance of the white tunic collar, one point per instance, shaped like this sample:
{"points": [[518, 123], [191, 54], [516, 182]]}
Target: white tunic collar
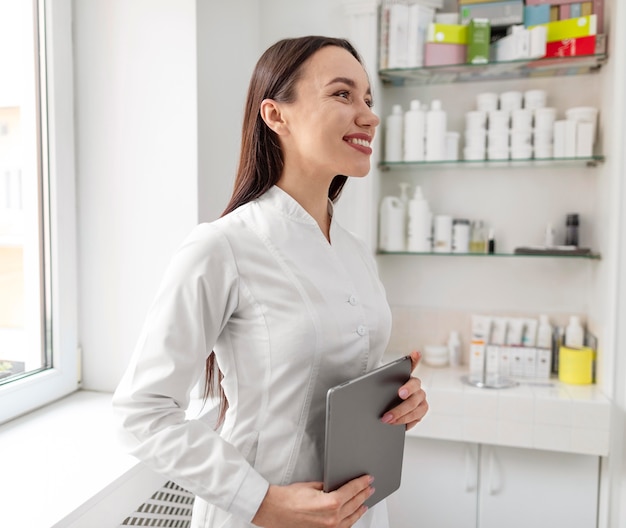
{"points": [[284, 203]]}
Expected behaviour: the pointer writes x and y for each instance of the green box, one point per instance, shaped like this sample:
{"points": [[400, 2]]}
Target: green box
{"points": [[478, 40]]}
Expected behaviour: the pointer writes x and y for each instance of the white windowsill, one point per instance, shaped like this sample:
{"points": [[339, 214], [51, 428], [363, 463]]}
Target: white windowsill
{"points": [[61, 465]]}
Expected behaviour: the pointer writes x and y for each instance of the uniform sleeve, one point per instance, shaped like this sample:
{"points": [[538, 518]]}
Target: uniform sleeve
{"points": [[196, 297]]}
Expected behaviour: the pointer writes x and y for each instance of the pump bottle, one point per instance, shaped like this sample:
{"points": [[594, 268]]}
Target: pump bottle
{"points": [[436, 125], [454, 349], [414, 132], [419, 227], [394, 126], [574, 333], [544, 332]]}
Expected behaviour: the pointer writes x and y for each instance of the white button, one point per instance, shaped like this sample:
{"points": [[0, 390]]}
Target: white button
{"points": [[353, 300], [361, 330]]}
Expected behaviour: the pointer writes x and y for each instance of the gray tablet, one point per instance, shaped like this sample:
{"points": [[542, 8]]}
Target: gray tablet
{"points": [[357, 442]]}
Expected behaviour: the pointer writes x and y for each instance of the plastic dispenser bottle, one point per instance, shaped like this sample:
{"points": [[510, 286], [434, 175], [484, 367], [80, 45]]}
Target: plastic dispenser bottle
{"points": [[436, 125], [544, 332], [394, 128], [414, 133], [574, 333], [454, 349], [419, 224], [392, 233]]}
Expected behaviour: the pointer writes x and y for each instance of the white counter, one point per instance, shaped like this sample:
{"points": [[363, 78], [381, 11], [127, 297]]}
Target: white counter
{"points": [[544, 414]]}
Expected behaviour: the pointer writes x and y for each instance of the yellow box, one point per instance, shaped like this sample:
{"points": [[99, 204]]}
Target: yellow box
{"points": [[569, 28], [576, 365], [447, 33]]}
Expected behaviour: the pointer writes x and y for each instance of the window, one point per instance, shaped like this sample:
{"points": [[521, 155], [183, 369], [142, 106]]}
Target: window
{"points": [[38, 351]]}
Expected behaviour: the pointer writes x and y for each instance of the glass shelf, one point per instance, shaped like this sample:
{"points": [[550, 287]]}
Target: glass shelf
{"points": [[589, 256], [592, 161], [547, 67]]}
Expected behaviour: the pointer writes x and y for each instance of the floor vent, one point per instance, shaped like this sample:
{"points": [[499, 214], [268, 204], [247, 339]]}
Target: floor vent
{"points": [[169, 507]]}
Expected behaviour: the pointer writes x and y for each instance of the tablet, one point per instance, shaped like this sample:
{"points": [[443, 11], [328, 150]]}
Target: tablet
{"points": [[357, 442]]}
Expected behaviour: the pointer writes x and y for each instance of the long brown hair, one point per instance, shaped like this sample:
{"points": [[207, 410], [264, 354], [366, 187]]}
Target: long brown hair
{"points": [[261, 157]]}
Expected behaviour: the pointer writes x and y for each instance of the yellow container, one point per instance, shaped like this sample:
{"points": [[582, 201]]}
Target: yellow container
{"points": [[576, 365]]}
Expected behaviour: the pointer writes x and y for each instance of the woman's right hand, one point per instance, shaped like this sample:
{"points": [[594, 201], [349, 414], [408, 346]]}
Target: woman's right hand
{"points": [[305, 505]]}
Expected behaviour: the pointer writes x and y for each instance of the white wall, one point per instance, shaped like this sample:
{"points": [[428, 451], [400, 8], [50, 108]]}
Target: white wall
{"points": [[135, 80], [228, 48]]}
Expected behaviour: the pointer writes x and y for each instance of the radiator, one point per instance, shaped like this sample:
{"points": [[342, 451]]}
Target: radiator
{"points": [[169, 507]]}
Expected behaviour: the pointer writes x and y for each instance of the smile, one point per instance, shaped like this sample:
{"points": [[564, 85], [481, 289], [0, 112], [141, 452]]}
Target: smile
{"points": [[356, 141]]}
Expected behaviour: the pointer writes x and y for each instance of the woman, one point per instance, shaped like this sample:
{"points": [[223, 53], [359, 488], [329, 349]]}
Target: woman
{"points": [[278, 296]]}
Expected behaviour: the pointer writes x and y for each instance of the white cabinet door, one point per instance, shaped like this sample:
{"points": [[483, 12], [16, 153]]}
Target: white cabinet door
{"points": [[439, 485], [524, 488]]}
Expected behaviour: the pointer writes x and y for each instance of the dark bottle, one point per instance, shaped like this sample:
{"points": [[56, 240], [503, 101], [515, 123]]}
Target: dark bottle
{"points": [[571, 230]]}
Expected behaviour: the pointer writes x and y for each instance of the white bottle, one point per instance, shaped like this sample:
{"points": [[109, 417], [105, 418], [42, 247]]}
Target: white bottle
{"points": [[544, 333], [436, 125], [419, 224], [574, 333], [392, 234], [394, 126], [414, 132], [454, 349], [442, 234]]}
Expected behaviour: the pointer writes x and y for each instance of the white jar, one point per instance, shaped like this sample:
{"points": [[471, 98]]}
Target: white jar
{"points": [[475, 120], [534, 99], [487, 101], [499, 120], [510, 101]]}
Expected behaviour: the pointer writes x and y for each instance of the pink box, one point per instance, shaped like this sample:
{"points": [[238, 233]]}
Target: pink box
{"points": [[564, 12], [438, 54]]}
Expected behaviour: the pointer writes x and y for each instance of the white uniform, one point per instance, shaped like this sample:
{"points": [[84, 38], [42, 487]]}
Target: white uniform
{"points": [[288, 315]]}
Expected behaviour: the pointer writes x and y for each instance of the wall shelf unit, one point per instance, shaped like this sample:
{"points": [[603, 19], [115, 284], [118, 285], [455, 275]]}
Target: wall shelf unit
{"points": [[557, 255], [592, 161], [494, 71]]}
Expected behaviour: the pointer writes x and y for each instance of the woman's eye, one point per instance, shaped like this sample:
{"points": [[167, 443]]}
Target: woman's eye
{"points": [[344, 94], [369, 102]]}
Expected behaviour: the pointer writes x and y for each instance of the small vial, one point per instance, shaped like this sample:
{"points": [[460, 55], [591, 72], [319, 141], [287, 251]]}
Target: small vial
{"points": [[571, 230], [478, 240], [491, 242]]}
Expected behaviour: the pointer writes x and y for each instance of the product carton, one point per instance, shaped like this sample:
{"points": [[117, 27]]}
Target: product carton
{"points": [[478, 38], [469, 2], [444, 54], [498, 13], [571, 28], [447, 33], [534, 15], [572, 47]]}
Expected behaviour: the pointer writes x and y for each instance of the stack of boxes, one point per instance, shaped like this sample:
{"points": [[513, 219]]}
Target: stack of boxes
{"points": [[415, 33]]}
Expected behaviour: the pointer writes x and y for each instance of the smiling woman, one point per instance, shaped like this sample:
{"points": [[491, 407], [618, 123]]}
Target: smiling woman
{"points": [[276, 300]]}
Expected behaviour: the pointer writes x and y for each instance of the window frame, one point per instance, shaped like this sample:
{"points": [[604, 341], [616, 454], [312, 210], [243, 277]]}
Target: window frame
{"points": [[63, 377]]}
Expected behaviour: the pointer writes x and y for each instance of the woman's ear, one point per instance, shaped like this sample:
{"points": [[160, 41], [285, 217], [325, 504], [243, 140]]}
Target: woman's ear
{"points": [[272, 115]]}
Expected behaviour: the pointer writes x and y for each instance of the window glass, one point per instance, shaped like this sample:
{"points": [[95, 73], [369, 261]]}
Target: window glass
{"points": [[23, 193]]}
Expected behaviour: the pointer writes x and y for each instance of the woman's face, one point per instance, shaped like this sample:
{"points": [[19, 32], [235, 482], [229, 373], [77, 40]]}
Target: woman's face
{"points": [[330, 125]]}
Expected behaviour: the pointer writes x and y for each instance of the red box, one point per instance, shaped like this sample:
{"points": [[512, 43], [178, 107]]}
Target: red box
{"points": [[571, 47]]}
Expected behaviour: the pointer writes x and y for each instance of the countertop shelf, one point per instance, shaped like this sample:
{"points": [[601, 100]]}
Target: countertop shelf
{"points": [[558, 255], [592, 161], [546, 67]]}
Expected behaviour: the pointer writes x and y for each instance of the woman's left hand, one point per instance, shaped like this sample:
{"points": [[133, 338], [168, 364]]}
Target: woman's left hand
{"points": [[414, 406]]}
